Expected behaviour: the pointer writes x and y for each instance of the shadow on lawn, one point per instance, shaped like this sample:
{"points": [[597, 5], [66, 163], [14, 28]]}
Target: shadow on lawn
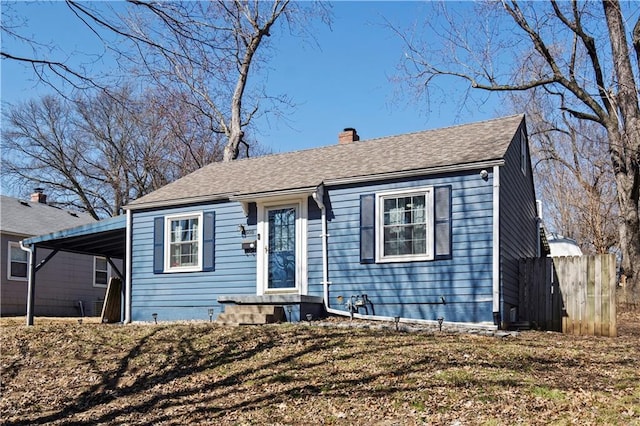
{"points": [[182, 360], [211, 376]]}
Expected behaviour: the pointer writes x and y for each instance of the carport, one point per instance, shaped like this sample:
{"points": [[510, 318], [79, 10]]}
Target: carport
{"points": [[106, 238]]}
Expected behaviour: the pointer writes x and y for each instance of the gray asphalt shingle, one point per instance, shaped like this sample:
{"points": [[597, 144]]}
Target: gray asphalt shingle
{"points": [[29, 218], [451, 146]]}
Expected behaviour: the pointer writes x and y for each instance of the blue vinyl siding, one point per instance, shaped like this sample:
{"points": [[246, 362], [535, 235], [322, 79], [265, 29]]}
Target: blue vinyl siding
{"points": [[414, 289], [518, 224], [314, 248], [189, 295]]}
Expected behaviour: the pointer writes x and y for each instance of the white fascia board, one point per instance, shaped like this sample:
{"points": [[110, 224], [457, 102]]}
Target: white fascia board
{"points": [[177, 202], [415, 172]]}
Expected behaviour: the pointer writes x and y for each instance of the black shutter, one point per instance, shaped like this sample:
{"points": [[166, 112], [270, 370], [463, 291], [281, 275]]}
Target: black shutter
{"points": [[442, 215], [208, 241], [158, 245], [367, 228]]}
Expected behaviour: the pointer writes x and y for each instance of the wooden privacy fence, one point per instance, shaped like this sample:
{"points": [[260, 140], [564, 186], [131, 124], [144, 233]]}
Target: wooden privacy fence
{"points": [[574, 294]]}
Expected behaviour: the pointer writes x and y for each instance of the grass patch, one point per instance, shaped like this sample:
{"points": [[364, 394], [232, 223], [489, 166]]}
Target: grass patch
{"points": [[65, 373], [547, 393]]}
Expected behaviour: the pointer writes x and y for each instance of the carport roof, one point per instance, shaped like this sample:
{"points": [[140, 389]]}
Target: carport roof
{"points": [[106, 237]]}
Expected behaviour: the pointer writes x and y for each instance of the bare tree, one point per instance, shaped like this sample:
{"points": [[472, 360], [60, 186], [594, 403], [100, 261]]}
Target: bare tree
{"points": [[101, 151], [63, 71], [573, 177], [580, 53], [207, 49]]}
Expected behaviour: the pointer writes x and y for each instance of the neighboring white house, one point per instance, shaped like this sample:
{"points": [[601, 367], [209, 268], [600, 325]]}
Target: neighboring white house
{"points": [[563, 246]]}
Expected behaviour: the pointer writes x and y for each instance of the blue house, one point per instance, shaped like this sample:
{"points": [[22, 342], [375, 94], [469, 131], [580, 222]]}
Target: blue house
{"points": [[419, 226]]}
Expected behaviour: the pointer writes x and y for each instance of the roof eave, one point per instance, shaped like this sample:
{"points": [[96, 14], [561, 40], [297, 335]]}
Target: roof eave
{"points": [[416, 172], [177, 202], [244, 197], [275, 194]]}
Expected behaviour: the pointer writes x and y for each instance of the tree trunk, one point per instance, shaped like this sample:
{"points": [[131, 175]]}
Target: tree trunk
{"points": [[627, 183], [624, 147]]}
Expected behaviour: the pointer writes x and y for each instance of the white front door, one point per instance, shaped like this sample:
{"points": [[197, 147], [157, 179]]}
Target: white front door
{"points": [[282, 249]]}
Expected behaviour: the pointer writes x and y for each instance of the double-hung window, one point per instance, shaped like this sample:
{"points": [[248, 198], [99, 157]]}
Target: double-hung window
{"points": [[404, 225], [412, 224], [183, 242], [17, 262], [100, 271]]}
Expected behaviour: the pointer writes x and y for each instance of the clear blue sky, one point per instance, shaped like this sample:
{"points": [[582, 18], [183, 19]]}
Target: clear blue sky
{"points": [[344, 82]]}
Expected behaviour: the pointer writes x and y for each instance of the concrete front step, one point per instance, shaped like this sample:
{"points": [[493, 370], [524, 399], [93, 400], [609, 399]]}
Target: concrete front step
{"points": [[252, 309], [251, 315]]}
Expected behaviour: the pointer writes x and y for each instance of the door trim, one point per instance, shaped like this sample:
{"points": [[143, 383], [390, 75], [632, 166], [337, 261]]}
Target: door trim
{"points": [[301, 206]]}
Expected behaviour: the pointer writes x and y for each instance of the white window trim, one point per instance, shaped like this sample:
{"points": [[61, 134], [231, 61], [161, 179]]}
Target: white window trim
{"points": [[9, 276], [301, 246], [167, 238], [95, 284], [380, 196]]}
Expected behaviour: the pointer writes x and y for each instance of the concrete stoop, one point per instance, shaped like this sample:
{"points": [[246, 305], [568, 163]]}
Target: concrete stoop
{"points": [[251, 315]]}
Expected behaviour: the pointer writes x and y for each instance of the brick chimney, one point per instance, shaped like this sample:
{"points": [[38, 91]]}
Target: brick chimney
{"points": [[39, 196], [348, 135]]}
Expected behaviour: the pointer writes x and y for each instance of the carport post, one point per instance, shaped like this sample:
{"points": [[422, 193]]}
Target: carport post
{"points": [[127, 269], [31, 283]]}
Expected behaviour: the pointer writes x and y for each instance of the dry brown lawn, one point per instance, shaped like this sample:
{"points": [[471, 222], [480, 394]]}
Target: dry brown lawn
{"points": [[62, 372]]}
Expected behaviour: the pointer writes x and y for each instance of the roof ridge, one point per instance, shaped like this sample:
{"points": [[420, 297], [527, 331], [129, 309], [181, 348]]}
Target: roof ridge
{"points": [[437, 129], [453, 126]]}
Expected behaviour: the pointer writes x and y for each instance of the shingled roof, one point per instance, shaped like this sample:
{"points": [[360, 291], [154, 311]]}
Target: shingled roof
{"points": [[27, 218], [434, 150]]}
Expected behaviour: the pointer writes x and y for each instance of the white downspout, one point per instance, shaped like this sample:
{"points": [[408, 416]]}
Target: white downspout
{"points": [[127, 273], [317, 197], [496, 241], [30, 284]]}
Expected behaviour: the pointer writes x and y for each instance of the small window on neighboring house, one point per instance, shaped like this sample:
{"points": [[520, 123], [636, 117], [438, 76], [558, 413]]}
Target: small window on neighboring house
{"points": [[523, 152], [100, 271], [17, 262], [183, 243]]}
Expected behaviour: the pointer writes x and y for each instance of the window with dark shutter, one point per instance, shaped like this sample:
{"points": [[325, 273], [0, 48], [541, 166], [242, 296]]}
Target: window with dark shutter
{"points": [[208, 242], [158, 245], [367, 228], [442, 222]]}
